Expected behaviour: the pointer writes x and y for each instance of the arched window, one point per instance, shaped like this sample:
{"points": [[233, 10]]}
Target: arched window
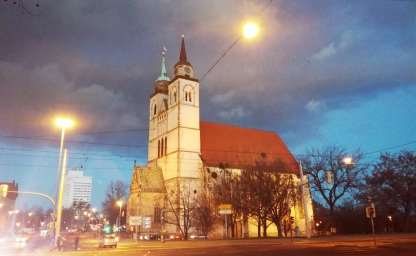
{"points": [[188, 93], [154, 110]]}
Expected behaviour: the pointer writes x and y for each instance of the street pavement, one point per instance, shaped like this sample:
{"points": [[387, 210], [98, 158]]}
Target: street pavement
{"points": [[397, 245]]}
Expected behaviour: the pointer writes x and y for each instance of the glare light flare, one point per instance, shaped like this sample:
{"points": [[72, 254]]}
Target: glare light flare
{"points": [[250, 30], [64, 122], [119, 203]]}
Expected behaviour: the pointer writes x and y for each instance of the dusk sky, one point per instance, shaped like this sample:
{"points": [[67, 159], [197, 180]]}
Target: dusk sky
{"points": [[321, 73]]}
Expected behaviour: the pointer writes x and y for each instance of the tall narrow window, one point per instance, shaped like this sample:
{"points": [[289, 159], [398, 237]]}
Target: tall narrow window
{"points": [[189, 97], [166, 145], [161, 148], [154, 109], [158, 148], [157, 215]]}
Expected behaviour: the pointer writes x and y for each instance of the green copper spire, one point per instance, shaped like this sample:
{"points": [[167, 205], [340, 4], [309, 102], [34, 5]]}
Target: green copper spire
{"points": [[163, 73]]}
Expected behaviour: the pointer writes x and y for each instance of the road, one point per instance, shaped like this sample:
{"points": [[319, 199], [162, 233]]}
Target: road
{"points": [[396, 245]]}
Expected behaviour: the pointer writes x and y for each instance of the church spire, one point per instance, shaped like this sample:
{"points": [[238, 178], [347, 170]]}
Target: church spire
{"points": [[183, 59], [182, 56], [183, 67], [163, 73]]}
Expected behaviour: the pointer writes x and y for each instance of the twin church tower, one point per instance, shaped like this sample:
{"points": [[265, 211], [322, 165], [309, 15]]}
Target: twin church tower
{"points": [[174, 125]]}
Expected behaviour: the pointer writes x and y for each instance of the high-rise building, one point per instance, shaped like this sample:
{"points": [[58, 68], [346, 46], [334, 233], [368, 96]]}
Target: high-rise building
{"points": [[77, 188]]}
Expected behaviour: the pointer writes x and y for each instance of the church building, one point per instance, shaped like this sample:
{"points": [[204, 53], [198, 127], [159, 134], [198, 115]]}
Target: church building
{"points": [[184, 152]]}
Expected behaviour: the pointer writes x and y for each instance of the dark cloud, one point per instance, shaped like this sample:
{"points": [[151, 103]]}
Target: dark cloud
{"points": [[98, 59]]}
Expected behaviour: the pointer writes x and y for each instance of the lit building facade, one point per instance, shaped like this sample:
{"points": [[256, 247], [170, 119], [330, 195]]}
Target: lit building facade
{"points": [[184, 151], [77, 188]]}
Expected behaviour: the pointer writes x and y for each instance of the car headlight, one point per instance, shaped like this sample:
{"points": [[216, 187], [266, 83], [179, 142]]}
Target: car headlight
{"points": [[116, 239]]}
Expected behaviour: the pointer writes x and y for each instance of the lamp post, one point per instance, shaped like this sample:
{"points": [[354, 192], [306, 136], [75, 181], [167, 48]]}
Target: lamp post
{"points": [[304, 201], [63, 124], [119, 204]]}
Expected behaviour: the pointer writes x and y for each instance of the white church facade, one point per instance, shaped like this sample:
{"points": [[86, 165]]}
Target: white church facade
{"points": [[184, 151]]}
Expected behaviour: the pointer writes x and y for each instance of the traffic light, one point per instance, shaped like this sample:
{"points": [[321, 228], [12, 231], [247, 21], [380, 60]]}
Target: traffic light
{"points": [[3, 190], [108, 229]]}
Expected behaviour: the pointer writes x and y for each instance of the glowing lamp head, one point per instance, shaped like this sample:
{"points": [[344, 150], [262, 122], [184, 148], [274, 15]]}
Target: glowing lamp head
{"points": [[347, 160], [63, 122], [250, 30], [119, 203]]}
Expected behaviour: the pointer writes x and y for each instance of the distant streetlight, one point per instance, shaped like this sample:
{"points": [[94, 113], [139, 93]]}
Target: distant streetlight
{"points": [[30, 214], [347, 160], [94, 210], [1, 205], [250, 30]]}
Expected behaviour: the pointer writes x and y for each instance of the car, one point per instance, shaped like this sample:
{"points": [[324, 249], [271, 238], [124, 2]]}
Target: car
{"points": [[21, 241], [109, 240], [198, 237]]}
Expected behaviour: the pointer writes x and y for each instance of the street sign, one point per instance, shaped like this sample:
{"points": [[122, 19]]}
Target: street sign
{"points": [[370, 211], [135, 220], [147, 222], [225, 209]]}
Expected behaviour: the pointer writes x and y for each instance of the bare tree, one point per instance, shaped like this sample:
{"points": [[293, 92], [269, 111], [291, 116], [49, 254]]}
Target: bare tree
{"points": [[181, 213], [204, 213], [116, 190], [392, 186], [333, 178], [285, 194]]}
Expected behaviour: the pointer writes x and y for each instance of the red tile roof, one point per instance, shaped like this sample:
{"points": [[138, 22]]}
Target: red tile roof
{"points": [[236, 147]]}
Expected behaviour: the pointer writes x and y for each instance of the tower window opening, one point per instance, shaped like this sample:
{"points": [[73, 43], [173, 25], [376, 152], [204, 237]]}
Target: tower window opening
{"points": [[158, 148], [157, 215], [154, 110], [166, 145], [161, 153]]}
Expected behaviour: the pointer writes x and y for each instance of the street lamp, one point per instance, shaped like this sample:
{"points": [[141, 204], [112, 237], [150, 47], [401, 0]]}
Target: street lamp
{"points": [[63, 123], [347, 160], [250, 30], [119, 204]]}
